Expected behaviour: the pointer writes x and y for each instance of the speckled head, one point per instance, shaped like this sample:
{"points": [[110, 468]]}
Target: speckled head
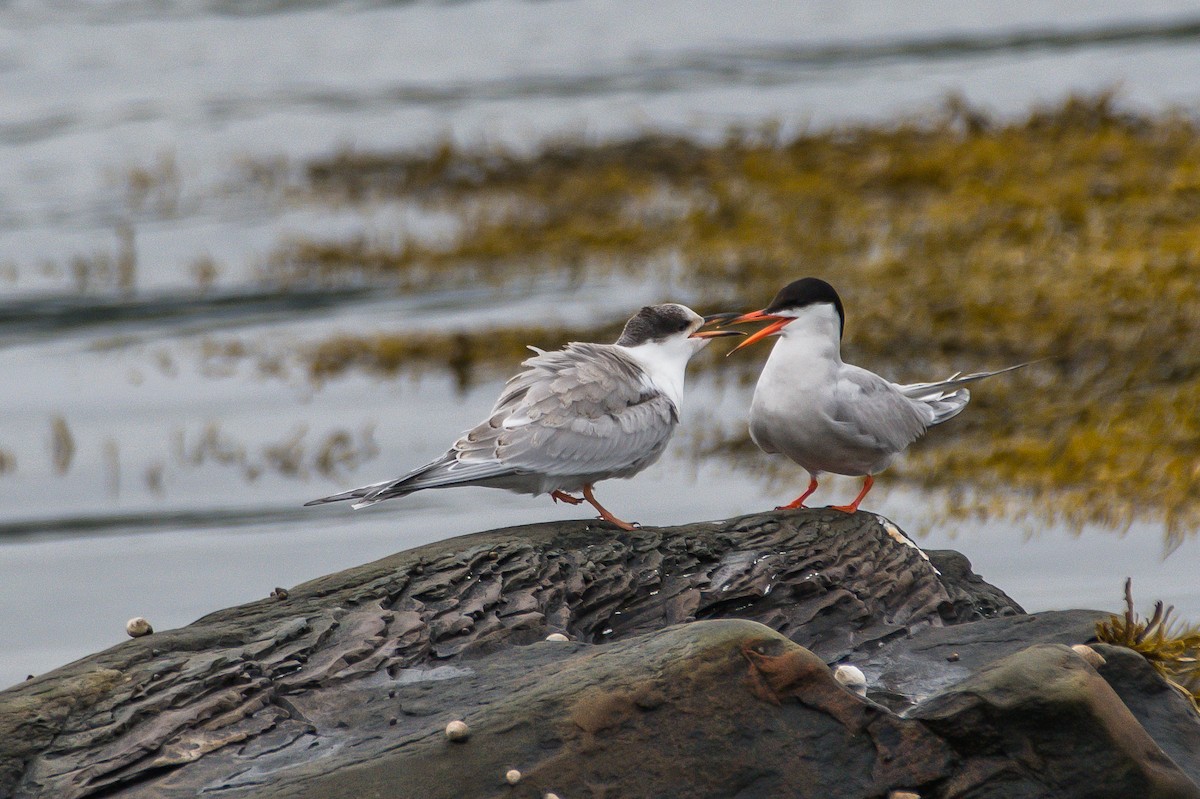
{"points": [[658, 323], [802, 293]]}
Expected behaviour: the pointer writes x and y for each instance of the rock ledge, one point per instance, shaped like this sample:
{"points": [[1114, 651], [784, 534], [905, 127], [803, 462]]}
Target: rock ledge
{"points": [[697, 665]]}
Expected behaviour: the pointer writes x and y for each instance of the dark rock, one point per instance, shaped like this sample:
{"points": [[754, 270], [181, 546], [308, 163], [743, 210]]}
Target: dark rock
{"points": [[908, 669], [710, 709], [1042, 722], [345, 689], [273, 675], [971, 598], [1162, 710]]}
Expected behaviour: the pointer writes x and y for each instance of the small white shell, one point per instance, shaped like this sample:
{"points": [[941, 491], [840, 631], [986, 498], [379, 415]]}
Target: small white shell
{"points": [[1094, 658], [559, 637], [137, 627], [512, 776], [458, 730], [550, 796], [904, 795], [851, 677]]}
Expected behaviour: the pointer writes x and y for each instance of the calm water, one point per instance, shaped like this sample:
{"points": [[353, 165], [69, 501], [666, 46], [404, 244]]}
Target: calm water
{"points": [[147, 474]]}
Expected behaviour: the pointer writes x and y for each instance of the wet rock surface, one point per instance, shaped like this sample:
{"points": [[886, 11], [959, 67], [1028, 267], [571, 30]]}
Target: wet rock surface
{"points": [[910, 669], [697, 666], [1043, 722], [1162, 710]]}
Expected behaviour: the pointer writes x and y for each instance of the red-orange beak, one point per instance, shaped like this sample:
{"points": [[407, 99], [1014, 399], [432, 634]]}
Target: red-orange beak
{"points": [[777, 323]]}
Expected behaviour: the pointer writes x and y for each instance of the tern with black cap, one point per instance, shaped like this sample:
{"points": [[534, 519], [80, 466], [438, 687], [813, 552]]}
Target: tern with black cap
{"points": [[572, 417], [828, 415]]}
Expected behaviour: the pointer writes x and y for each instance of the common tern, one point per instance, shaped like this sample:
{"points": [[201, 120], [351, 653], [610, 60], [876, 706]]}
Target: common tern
{"points": [[572, 417], [828, 415]]}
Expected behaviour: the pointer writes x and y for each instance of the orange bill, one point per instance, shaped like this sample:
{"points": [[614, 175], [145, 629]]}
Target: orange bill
{"points": [[752, 316], [777, 323]]}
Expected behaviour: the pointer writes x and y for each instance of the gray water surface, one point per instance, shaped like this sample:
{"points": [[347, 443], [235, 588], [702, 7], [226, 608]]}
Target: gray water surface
{"points": [[144, 472]]}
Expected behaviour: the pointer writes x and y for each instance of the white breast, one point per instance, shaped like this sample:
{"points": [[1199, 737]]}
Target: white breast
{"points": [[794, 410], [788, 413], [663, 366]]}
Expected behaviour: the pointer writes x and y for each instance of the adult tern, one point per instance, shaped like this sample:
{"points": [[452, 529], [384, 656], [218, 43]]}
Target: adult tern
{"points": [[572, 417], [828, 415]]}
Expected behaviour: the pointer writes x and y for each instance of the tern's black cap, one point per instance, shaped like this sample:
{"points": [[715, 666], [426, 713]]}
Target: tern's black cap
{"points": [[655, 323], [804, 292]]}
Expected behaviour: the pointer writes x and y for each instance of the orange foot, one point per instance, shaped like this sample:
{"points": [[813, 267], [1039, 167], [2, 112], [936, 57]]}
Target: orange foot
{"points": [[853, 506], [604, 514], [562, 496]]}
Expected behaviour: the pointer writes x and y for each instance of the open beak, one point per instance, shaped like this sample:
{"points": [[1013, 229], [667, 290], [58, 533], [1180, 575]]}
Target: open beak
{"points": [[719, 320], [716, 333], [777, 323]]}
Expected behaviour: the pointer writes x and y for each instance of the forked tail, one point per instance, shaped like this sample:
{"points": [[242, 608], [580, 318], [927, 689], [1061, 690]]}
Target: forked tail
{"points": [[948, 397], [354, 493], [445, 472]]}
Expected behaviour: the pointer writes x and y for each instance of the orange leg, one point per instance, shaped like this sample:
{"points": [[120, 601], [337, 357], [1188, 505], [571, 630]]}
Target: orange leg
{"points": [[604, 514], [853, 506], [798, 502], [563, 496]]}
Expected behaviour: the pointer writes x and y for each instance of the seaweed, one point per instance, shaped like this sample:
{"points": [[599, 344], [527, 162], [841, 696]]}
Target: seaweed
{"points": [[1170, 646]]}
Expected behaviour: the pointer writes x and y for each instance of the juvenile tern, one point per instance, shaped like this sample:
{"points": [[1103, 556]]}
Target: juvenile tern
{"points": [[571, 418], [831, 416]]}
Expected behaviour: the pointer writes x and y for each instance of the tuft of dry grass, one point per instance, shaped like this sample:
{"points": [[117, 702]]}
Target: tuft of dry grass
{"points": [[958, 243]]}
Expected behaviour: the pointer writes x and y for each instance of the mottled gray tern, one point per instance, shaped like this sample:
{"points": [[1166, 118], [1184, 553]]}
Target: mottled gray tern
{"points": [[572, 417]]}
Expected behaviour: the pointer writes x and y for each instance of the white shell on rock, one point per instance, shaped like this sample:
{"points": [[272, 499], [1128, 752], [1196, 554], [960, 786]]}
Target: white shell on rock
{"points": [[458, 730], [1093, 658], [557, 637], [512, 776], [851, 677], [550, 796], [137, 627]]}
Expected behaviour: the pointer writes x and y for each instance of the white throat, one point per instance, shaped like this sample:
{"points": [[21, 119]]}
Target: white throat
{"points": [[816, 332], [665, 363]]}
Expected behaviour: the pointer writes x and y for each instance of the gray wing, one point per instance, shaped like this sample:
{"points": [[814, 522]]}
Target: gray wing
{"points": [[874, 413], [584, 410]]}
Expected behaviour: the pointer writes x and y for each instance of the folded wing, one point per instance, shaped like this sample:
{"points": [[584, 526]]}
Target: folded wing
{"points": [[586, 410], [875, 414]]}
